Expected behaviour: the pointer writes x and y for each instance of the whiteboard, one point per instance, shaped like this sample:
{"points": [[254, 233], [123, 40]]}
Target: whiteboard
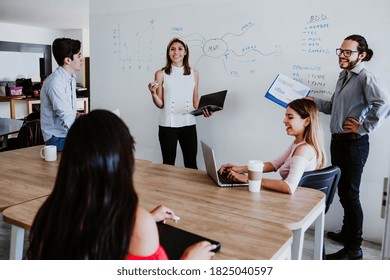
{"points": [[240, 46]]}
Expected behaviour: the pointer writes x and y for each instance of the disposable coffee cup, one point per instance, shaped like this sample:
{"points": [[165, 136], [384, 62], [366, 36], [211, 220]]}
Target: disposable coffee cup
{"points": [[49, 153], [255, 174]]}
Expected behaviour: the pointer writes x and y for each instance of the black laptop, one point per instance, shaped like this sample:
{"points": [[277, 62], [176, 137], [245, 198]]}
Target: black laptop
{"points": [[175, 240], [213, 102]]}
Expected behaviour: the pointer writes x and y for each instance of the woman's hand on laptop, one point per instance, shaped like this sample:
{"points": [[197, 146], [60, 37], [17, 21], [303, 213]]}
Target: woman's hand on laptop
{"points": [[237, 177], [199, 251], [226, 168], [206, 112]]}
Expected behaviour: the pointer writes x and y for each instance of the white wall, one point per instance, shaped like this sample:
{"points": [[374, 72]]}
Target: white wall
{"points": [[128, 42], [28, 34]]}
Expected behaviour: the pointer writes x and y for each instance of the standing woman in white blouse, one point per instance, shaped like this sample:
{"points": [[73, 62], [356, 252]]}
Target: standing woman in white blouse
{"points": [[175, 92], [306, 152]]}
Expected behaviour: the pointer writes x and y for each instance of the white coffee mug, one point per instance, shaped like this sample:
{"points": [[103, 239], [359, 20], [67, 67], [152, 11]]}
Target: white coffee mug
{"points": [[49, 153], [255, 174]]}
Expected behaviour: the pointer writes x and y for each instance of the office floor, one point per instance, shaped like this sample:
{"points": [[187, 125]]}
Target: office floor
{"points": [[5, 236], [371, 251]]}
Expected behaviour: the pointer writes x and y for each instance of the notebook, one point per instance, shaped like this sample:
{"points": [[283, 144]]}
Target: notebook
{"points": [[213, 102], [220, 179], [175, 240]]}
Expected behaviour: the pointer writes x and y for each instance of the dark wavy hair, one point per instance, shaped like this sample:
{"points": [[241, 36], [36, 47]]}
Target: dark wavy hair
{"points": [[65, 47], [168, 67], [91, 212], [363, 46]]}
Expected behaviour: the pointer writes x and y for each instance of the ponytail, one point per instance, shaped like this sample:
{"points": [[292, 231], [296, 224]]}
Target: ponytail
{"points": [[363, 46]]}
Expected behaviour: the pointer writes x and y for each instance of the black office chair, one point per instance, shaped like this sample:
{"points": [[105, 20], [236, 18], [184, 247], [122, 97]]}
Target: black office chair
{"points": [[29, 135], [325, 180], [32, 116]]}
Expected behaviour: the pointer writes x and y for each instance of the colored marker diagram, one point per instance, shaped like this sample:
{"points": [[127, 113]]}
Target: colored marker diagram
{"points": [[233, 58]]}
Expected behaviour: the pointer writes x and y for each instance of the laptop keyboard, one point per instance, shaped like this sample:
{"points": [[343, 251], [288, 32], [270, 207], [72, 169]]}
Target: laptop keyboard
{"points": [[224, 179]]}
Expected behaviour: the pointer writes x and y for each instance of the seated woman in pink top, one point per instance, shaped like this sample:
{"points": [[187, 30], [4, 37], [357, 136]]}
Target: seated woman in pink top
{"points": [[306, 153], [93, 211]]}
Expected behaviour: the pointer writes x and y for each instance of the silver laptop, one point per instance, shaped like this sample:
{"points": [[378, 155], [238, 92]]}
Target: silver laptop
{"points": [[213, 102], [220, 179]]}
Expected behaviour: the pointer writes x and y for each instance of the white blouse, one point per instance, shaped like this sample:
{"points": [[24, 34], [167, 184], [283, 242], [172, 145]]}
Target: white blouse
{"points": [[291, 168], [178, 99]]}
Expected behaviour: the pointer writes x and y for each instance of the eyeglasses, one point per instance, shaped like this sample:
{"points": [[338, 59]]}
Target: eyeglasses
{"points": [[347, 53]]}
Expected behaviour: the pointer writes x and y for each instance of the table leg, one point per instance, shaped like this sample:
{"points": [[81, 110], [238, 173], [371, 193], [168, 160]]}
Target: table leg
{"points": [[17, 242], [297, 245], [319, 236], [286, 255], [299, 235]]}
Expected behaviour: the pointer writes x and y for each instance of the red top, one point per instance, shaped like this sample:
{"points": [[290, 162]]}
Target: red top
{"points": [[160, 254]]}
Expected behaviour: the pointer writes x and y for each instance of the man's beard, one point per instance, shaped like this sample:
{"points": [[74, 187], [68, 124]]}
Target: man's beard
{"points": [[350, 65]]}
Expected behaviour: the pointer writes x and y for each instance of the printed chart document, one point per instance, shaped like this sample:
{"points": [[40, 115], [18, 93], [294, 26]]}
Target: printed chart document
{"points": [[284, 90]]}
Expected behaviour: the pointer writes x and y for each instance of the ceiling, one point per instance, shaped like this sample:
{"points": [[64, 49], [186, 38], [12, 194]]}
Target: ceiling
{"points": [[53, 14]]}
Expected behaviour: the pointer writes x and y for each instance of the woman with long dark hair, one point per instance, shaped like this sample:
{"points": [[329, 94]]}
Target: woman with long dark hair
{"points": [[93, 211]]}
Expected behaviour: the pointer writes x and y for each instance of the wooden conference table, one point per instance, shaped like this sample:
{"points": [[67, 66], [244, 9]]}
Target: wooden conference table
{"points": [[25, 176], [180, 186], [241, 237], [240, 220], [263, 240]]}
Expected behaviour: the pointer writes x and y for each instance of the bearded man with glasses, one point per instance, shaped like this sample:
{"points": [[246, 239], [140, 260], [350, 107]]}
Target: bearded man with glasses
{"points": [[358, 106]]}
